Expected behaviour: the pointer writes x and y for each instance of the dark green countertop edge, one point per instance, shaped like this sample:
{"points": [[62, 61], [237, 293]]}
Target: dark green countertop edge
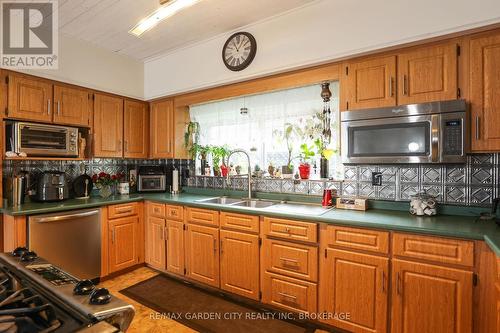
{"points": [[453, 221]]}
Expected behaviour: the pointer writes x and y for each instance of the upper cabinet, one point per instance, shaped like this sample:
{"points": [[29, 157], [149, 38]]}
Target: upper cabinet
{"points": [[428, 74], [71, 106], [29, 99], [40, 100], [369, 83], [162, 129], [108, 126], [423, 74], [484, 92], [135, 130]]}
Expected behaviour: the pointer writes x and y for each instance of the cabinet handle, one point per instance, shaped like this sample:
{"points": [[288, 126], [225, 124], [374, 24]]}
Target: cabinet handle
{"points": [[215, 245], [398, 284], [113, 236], [391, 93], [288, 296], [162, 233], [290, 260], [477, 127], [126, 145], [48, 106], [383, 281], [58, 108], [119, 143], [221, 248], [405, 87], [165, 230]]}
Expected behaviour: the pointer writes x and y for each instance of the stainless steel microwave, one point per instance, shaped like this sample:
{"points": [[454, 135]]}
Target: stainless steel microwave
{"points": [[42, 140], [436, 132]]}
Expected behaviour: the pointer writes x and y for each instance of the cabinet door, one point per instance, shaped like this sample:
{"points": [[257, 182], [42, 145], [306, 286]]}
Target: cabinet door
{"points": [[71, 106], [175, 247], [108, 126], [484, 92], [428, 74], [155, 242], [239, 270], [29, 99], [355, 284], [162, 129], [428, 298], [202, 254], [369, 83], [136, 128], [123, 243]]}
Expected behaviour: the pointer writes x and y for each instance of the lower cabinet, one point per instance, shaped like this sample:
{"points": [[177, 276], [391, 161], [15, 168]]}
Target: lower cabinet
{"points": [[430, 298], [155, 242], [202, 254], [239, 263], [353, 291], [123, 243], [175, 247]]}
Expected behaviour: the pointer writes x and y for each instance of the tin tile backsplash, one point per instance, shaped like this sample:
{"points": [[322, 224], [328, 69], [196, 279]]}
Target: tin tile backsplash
{"points": [[475, 183]]}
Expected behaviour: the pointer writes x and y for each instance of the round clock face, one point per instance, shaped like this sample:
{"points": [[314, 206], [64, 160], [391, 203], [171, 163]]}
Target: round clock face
{"points": [[239, 51]]}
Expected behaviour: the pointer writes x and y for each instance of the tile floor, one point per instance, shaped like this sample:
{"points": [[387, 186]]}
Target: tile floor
{"points": [[142, 321]]}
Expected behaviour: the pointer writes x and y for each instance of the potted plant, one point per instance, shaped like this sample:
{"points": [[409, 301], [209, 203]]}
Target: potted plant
{"points": [[106, 183], [305, 156], [287, 135], [218, 154], [191, 138], [326, 154]]}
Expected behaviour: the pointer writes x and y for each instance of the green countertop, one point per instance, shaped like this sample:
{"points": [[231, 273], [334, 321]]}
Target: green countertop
{"points": [[442, 225]]}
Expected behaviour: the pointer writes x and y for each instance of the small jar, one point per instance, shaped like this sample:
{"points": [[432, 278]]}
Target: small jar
{"points": [[422, 204]]}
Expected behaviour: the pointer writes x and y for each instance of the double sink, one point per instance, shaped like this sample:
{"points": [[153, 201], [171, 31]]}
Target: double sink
{"points": [[269, 205]]}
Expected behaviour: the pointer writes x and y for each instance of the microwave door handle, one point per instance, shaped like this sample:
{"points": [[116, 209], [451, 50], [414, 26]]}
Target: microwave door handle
{"points": [[434, 136]]}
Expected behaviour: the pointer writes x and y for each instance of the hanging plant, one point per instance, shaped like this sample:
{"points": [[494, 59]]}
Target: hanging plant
{"points": [[191, 138]]}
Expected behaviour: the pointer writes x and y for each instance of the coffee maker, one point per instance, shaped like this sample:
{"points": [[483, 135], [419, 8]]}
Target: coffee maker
{"points": [[50, 186]]}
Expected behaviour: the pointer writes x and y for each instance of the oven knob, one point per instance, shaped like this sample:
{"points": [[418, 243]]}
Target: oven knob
{"points": [[19, 251], [83, 287], [100, 296], [29, 256]]}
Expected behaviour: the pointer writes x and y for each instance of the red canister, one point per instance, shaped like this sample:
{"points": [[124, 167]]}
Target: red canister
{"points": [[327, 198]]}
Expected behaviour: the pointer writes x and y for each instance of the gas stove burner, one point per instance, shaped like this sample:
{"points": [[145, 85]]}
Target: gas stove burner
{"points": [[29, 256], [19, 251]]}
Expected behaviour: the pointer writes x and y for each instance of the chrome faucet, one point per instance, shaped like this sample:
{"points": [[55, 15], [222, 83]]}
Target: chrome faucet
{"points": [[249, 170]]}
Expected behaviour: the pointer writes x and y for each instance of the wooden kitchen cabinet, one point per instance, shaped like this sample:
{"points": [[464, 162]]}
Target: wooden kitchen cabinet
{"points": [[108, 126], [155, 242], [369, 83], [202, 254], [175, 247], [484, 92], [135, 129], [430, 298], [356, 284], [239, 266], [428, 74], [71, 106], [123, 243], [162, 129], [29, 98]]}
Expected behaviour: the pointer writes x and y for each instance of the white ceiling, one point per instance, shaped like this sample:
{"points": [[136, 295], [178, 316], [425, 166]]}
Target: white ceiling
{"points": [[106, 22]]}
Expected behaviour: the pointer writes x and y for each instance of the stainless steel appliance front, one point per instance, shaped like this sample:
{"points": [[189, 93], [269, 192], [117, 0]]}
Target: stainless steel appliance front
{"points": [[42, 140], [434, 132], [70, 240]]}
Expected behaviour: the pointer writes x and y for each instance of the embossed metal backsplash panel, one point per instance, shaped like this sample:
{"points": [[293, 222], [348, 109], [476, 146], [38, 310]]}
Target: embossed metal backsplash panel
{"points": [[93, 166], [475, 183]]}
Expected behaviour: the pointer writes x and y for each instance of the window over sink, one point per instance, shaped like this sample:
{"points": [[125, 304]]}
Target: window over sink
{"points": [[256, 124]]}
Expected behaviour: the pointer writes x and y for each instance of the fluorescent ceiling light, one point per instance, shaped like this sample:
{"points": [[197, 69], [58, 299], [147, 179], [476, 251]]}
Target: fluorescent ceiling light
{"points": [[171, 8]]}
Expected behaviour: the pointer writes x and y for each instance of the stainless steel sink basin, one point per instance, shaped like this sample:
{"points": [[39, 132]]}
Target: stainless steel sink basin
{"points": [[299, 208], [255, 203], [220, 200]]}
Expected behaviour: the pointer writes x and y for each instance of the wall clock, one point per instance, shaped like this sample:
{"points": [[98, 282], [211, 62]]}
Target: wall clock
{"points": [[239, 50]]}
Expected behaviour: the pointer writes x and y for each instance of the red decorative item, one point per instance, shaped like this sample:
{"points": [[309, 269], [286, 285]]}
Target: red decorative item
{"points": [[224, 170], [327, 198], [304, 170]]}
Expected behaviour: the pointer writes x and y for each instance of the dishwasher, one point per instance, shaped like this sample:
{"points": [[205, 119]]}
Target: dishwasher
{"points": [[70, 240]]}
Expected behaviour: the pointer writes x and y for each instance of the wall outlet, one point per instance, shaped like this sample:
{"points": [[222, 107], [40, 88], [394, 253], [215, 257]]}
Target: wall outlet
{"points": [[377, 178]]}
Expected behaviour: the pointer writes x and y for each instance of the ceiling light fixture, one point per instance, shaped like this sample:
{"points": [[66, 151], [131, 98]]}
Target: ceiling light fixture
{"points": [[170, 8]]}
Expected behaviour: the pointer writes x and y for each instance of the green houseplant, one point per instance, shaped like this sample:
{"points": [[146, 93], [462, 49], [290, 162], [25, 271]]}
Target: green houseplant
{"points": [[218, 153], [288, 135], [306, 154]]}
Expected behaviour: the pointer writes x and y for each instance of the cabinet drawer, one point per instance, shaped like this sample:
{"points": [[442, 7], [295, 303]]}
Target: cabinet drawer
{"points": [[175, 213], [443, 250], [288, 229], [156, 209], [122, 210], [239, 221], [355, 238], [202, 216], [289, 294], [294, 260]]}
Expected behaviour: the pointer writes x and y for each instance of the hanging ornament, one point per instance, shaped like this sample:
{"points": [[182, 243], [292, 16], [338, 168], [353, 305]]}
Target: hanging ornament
{"points": [[327, 114]]}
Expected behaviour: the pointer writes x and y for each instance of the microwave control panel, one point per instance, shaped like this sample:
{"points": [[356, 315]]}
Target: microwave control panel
{"points": [[452, 137]]}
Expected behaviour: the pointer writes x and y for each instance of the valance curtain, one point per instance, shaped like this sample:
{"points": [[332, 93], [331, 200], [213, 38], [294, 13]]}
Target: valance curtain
{"points": [[224, 123]]}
